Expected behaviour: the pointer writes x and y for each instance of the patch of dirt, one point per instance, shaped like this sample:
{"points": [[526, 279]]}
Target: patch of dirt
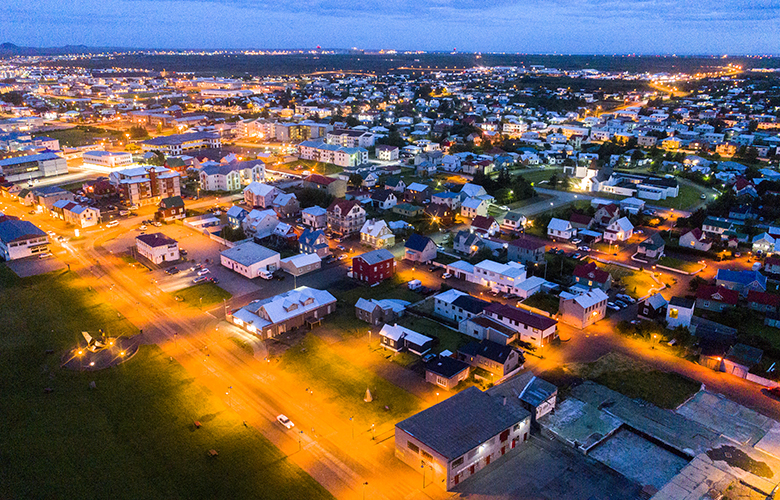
{"points": [[739, 459]]}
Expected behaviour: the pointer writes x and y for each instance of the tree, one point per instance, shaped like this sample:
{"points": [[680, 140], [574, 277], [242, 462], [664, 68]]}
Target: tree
{"points": [[553, 182], [138, 132], [158, 159], [231, 234], [355, 180]]}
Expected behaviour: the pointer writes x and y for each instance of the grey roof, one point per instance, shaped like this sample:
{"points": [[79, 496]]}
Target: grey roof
{"points": [[156, 240], [682, 302], [249, 253], [656, 301], [376, 256], [462, 422], [537, 392], [12, 229], [24, 159], [446, 366], [417, 242]]}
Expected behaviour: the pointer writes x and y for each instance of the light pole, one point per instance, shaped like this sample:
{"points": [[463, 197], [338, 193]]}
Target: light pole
{"points": [[228, 395], [352, 422], [364, 489], [422, 466], [300, 435], [369, 339], [373, 432]]}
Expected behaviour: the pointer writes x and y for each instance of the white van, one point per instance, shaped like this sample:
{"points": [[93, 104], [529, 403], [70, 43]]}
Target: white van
{"points": [[414, 284], [113, 223], [266, 275]]}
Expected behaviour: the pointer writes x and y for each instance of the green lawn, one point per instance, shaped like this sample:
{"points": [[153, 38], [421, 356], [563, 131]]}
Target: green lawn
{"points": [[663, 389], [448, 338], [319, 167], [211, 294], [637, 283], [683, 265], [393, 288], [132, 437], [541, 175], [544, 301], [343, 384], [688, 197]]}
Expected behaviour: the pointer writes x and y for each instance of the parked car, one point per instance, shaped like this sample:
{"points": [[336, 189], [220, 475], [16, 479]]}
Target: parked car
{"points": [[156, 224], [143, 227], [612, 307], [215, 281], [621, 304], [553, 250], [195, 267], [703, 196], [282, 419], [266, 275], [773, 392], [203, 271], [341, 247], [182, 251], [576, 241], [113, 223], [433, 269], [342, 256], [625, 298], [172, 270], [576, 255], [428, 357], [200, 279]]}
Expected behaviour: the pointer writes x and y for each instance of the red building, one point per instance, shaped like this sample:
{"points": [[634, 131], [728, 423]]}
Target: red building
{"points": [[373, 267]]}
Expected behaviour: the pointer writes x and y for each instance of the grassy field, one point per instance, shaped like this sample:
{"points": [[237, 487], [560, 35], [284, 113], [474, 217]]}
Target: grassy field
{"points": [[637, 283], [130, 438], [689, 196], [80, 136], [211, 294], [344, 384], [540, 175], [544, 301], [317, 167], [448, 338], [683, 265]]}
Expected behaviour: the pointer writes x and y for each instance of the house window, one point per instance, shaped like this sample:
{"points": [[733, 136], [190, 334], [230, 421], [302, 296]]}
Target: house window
{"points": [[457, 462], [673, 313], [426, 455], [413, 447]]}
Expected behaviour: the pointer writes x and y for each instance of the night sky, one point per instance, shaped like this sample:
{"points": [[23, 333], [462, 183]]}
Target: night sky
{"points": [[533, 26]]}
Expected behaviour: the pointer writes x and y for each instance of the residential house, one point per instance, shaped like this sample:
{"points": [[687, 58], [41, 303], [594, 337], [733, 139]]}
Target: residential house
{"points": [[470, 190], [474, 207], [419, 248], [741, 281], [653, 307], [373, 267], [456, 306], [772, 265], [446, 372], [286, 205], [398, 338], [697, 239], [20, 239], [78, 215], [396, 184], [375, 312], [584, 309], [314, 217], [513, 222], [526, 249], [559, 229], [580, 221], [484, 225], [590, 276], [249, 259], [407, 210], [483, 327], [716, 226], [314, 241], [157, 247], [716, 298], [532, 328], [443, 215], [448, 198], [496, 276], [384, 199], [333, 186], [346, 217], [443, 443], [763, 301], [417, 193], [763, 243], [171, 208], [606, 214], [620, 230], [236, 216], [652, 247], [267, 318], [385, 152], [258, 195], [376, 234], [496, 359], [301, 264], [260, 223], [679, 312]]}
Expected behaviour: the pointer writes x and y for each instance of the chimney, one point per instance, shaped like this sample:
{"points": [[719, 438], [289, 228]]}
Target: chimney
{"points": [[504, 400]]}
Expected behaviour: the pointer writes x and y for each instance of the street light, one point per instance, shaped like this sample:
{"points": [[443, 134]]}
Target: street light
{"points": [[351, 421], [364, 489]]}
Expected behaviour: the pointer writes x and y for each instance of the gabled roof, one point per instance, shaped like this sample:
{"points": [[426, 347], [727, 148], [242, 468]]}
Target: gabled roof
{"points": [[590, 271], [559, 225], [717, 294], [473, 203], [482, 222], [171, 202], [488, 349], [462, 422], [656, 301], [576, 218], [682, 302], [521, 316], [741, 277], [763, 298], [654, 242], [320, 179], [156, 240], [417, 242], [344, 205], [376, 256], [13, 229], [528, 243], [445, 366], [417, 187]]}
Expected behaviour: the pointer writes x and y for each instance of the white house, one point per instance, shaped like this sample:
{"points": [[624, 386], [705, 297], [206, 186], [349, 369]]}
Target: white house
{"points": [[560, 229], [157, 247], [315, 217], [260, 195], [473, 207], [620, 230], [20, 238], [582, 310], [679, 312], [249, 259], [376, 234], [260, 222]]}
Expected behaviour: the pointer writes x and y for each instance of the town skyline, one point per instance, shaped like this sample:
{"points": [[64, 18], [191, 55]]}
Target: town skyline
{"points": [[542, 26]]}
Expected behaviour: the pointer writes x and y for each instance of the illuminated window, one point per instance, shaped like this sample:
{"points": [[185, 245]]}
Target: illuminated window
{"points": [[673, 313], [413, 447]]}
